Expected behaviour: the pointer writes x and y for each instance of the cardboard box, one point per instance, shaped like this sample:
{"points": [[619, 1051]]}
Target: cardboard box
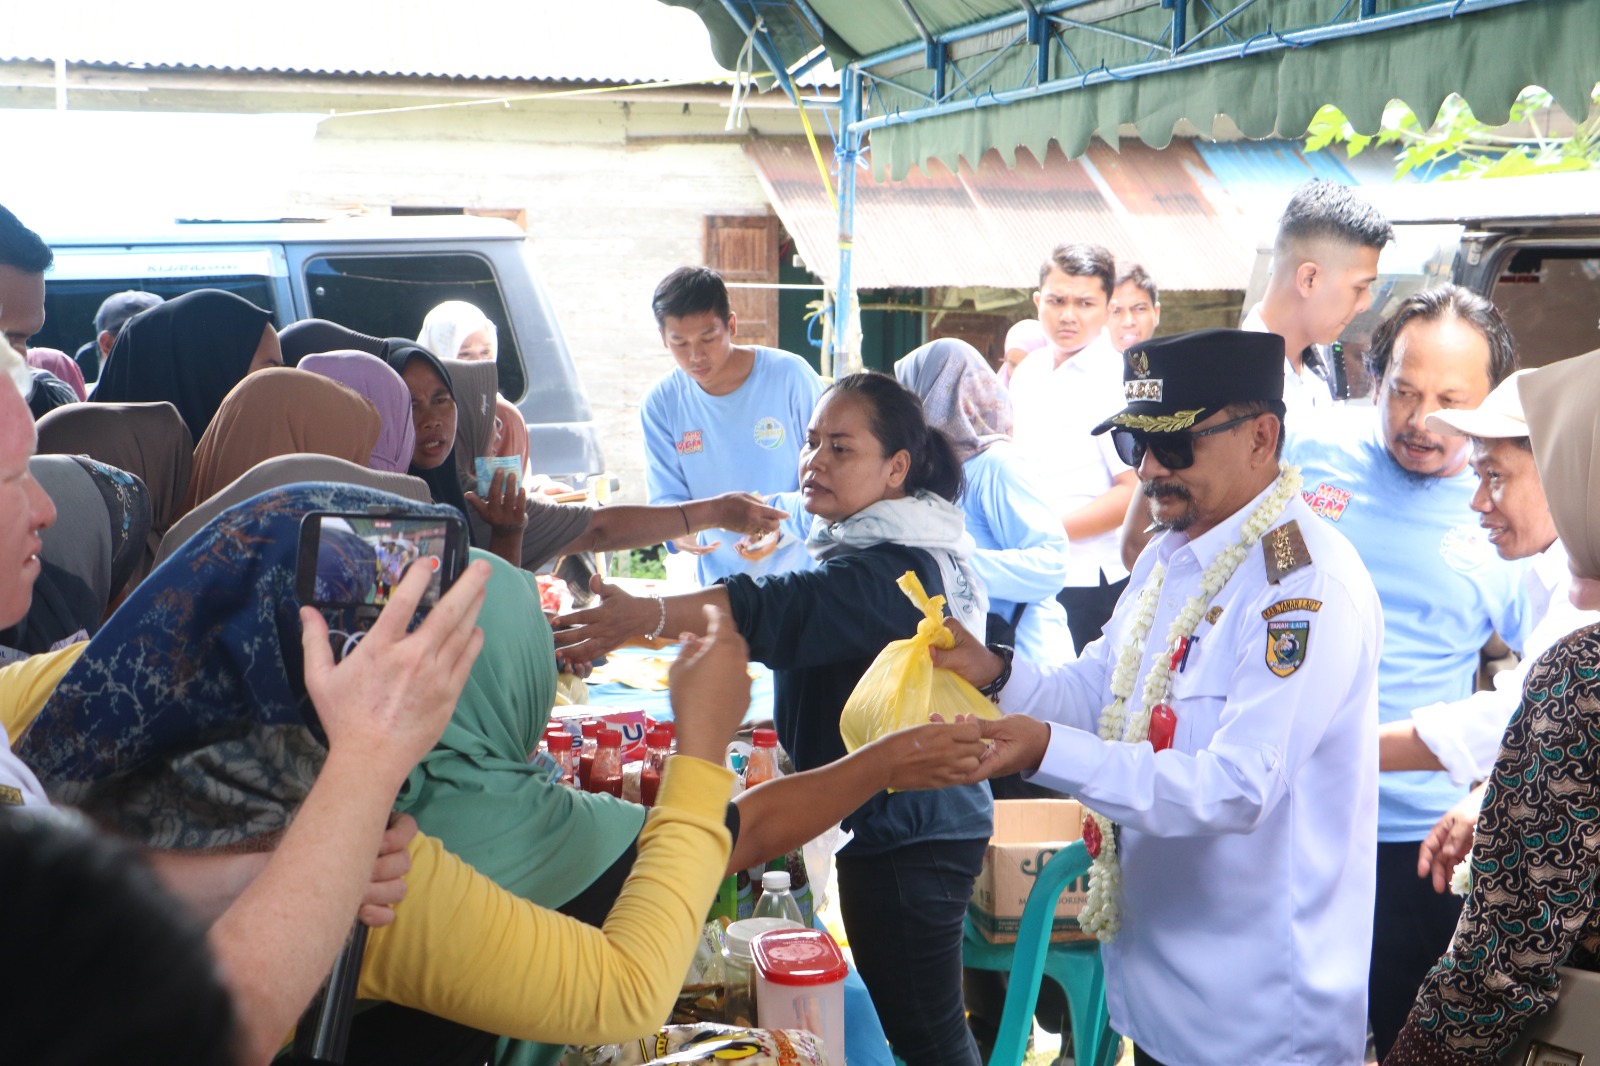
{"points": [[1027, 834]]}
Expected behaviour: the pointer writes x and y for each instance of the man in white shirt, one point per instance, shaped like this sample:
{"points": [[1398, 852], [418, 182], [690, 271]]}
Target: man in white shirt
{"points": [[1324, 261], [1058, 394], [1245, 824], [1463, 737]]}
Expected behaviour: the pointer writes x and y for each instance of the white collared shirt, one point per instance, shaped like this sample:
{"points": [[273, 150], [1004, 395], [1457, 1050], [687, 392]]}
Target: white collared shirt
{"points": [[1248, 849], [1054, 408], [1466, 734], [1302, 388]]}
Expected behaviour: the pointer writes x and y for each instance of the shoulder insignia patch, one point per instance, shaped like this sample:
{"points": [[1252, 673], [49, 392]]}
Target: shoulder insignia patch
{"points": [[10, 797], [1286, 646], [1285, 550], [1285, 606]]}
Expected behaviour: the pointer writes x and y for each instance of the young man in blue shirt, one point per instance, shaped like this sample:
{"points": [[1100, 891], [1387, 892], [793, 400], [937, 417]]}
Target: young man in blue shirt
{"points": [[729, 418], [1402, 494]]}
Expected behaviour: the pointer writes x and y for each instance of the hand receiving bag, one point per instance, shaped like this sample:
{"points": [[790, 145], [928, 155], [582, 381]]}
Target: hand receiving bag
{"points": [[902, 686]]}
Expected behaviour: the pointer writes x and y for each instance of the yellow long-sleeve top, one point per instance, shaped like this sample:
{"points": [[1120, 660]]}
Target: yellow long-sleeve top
{"points": [[463, 948]]}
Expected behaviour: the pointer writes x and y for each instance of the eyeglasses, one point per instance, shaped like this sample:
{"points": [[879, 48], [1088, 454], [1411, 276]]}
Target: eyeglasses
{"points": [[1175, 451]]}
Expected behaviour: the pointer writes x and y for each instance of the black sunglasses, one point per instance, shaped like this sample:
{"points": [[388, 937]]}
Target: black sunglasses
{"points": [[1175, 451]]}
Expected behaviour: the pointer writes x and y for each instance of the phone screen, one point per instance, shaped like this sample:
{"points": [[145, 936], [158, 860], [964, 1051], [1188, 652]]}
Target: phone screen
{"points": [[360, 559]]}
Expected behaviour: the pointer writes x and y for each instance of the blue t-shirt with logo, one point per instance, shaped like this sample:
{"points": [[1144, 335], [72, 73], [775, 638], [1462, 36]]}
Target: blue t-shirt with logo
{"points": [[1443, 587], [699, 445]]}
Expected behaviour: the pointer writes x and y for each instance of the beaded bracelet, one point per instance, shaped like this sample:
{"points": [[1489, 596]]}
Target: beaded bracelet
{"points": [[661, 625]]}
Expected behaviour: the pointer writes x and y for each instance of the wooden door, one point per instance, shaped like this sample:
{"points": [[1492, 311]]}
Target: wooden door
{"points": [[744, 249]]}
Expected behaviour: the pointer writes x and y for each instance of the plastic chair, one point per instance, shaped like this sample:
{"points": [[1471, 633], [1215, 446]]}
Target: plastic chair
{"points": [[1075, 967]]}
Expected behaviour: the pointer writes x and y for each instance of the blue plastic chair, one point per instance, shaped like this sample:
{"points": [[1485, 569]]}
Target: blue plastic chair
{"points": [[1075, 967]]}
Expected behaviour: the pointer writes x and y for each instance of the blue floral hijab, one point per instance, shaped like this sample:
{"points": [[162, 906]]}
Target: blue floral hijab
{"points": [[185, 723]]}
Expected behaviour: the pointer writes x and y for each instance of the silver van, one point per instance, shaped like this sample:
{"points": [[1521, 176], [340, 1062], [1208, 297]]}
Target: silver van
{"points": [[376, 275]]}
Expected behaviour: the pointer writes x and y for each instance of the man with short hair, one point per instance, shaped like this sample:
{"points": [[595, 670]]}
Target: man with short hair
{"points": [[24, 257], [1058, 394], [1324, 261], [728, 418], [114, 312], [1135, 308], [1402, 492], [1225, 724]]}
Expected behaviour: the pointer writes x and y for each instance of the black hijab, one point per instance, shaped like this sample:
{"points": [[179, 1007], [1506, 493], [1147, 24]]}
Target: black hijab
{"points": [[444, 483], [310, 336], [189, 351]]}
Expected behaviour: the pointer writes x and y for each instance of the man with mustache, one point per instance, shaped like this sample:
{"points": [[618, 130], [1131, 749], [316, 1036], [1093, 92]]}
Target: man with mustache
{"points": [[1401, 492]]}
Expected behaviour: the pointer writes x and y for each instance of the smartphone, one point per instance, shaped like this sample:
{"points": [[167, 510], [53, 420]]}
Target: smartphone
{"points": [[355, 560]]}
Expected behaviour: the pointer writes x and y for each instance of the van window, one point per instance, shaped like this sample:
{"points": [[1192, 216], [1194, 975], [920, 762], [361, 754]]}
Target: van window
{"points": [[1549, 296], [70, 304], [390, 295]]}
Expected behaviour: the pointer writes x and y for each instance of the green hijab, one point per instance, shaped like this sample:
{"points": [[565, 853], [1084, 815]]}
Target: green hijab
{"points": [[476, 790]]}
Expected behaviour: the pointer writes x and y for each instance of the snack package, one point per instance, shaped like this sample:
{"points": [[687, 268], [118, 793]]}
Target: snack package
{"points": [[679, 1044], [902, 686]]}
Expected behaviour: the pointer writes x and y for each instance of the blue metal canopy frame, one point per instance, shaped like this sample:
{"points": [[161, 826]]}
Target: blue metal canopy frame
{"points": [[1048, 28]]}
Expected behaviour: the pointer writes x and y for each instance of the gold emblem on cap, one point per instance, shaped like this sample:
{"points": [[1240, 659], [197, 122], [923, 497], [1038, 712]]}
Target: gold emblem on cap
{"points": [[1139, 363], [1157, 423]]}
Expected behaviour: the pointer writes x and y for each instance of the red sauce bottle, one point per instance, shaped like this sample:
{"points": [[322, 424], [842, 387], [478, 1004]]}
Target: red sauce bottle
{"points": [[561, 750], [591, 733], [657, 742], [606, 773]]}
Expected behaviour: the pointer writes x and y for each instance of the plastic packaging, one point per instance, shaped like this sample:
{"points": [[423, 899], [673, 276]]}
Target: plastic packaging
{"points": [[799, 980], [737, 968], [606, 775], [776, 900]]}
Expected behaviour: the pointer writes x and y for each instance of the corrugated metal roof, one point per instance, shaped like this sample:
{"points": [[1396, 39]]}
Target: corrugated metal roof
{"points": [[994, 226], [619, 41]]}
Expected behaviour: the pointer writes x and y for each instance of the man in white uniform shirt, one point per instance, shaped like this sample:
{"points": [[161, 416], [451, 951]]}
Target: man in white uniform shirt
{"points": [[1463, 737], [1246, 827], [1058, 394], [1324, 261]]}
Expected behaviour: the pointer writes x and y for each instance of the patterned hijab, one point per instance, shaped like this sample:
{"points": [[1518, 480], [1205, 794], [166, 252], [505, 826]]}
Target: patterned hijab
{"points": [[185, 723], [386, 390], [281, 411], [960, 394], [190, 351]]}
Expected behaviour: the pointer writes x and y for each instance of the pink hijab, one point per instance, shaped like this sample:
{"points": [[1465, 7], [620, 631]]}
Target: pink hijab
{"points": [[61, 365]]}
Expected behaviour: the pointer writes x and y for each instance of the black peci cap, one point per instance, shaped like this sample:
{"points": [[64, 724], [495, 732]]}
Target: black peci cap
{"points": [[1170, 383]]}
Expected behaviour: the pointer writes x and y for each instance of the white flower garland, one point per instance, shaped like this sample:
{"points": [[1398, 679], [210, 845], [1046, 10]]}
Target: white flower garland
{"points": [[1100, 911]]}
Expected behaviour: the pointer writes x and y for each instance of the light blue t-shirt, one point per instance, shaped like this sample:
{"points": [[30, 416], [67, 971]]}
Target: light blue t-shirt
{"points": [[699, 445], [1443, 587], [1022, 550]]}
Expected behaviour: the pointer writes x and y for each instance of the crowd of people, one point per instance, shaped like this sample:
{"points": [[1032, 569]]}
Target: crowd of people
{"points": [[1235, 613]]}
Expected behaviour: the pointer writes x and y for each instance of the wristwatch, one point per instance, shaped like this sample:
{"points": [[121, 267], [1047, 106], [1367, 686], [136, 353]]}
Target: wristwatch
{"points": [[1006, 653]]}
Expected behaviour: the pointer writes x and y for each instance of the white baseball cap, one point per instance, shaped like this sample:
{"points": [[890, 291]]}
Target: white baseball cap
{"points": [[1499, 416]]}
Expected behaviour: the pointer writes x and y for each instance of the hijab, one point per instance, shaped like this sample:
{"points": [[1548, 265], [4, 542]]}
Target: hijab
{"points": [[476, 790], [444, 480], [189, 351], [386, 390], [1565, 431], [279, 472], [511, 430], [61, 365], [185, 723], [281, 411], [452, 322], [311, 335], [148, 440], [102, 524], [961, 396]]}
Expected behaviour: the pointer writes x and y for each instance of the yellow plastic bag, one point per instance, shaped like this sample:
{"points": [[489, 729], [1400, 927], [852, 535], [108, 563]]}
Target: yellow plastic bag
{"points": [[902, 686]]}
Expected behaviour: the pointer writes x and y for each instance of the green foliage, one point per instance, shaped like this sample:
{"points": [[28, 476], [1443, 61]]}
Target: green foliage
{"points": [[640, 562], [1457, 145]]}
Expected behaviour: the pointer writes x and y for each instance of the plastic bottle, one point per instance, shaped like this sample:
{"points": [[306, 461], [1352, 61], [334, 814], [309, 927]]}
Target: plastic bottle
{"points": [[657, 744], [776, 900], [561, 750], [591, 734], [763, 764], [606, 774]]}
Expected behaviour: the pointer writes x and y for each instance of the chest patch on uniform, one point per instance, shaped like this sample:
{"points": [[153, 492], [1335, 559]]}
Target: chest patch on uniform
{"points": [[1285, 550], [10, 797], [1285, 606], [691, 443], [1286, 646], [769, 432]]}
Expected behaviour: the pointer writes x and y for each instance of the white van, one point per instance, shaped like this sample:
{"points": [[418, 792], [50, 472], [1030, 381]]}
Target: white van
{"points": [[376, 275]]}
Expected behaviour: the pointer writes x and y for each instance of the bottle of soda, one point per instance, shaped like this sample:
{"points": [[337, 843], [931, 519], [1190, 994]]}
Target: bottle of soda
{"points": [[606, 774], [776, 900], [591, 735], [657, 744], [561, 750], [763, 765]]}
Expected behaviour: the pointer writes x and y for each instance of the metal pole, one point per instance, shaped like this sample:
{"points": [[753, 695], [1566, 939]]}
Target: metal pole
{"points": [[848, 155]]}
